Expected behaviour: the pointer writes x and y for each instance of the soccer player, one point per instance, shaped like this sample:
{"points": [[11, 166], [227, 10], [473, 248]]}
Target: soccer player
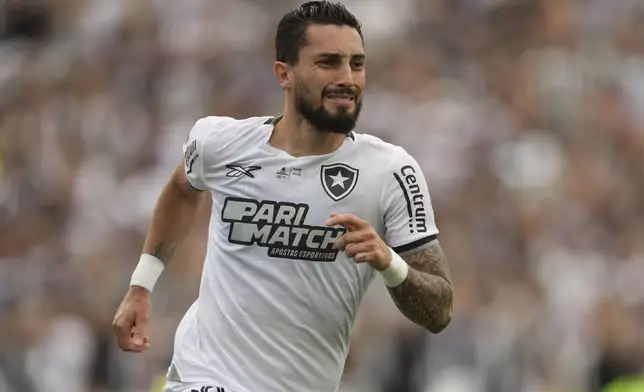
{"points": [[305, 214]]}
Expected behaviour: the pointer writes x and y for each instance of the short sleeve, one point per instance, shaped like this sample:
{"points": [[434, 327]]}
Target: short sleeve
{"points": [[408, 213], [199, 151]]}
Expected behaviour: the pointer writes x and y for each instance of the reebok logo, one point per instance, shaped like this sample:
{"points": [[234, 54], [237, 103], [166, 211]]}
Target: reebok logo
{"points": [[239, 170], [280, 227], [414, 198]]}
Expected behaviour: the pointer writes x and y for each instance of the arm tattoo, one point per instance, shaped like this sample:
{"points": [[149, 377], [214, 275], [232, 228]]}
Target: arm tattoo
{"points": [[164, 252], [425, 297]]}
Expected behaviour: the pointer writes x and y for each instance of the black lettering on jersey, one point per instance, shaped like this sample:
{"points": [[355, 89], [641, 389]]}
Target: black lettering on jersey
{"points": [[209, 389], [280, 227], [190, 156], [414, 198]]}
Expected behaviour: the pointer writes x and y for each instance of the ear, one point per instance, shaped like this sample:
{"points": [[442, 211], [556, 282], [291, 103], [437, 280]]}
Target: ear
{"points": [[283, 74]]}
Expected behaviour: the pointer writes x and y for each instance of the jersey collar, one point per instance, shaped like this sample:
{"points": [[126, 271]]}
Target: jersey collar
{"points": [[274, 120]]}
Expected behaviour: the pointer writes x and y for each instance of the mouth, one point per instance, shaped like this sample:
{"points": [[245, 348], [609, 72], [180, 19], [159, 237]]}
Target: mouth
{"points": [[341, 98]]}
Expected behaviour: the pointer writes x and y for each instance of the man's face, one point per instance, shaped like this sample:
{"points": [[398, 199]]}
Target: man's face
{"points": [[329, 78]]}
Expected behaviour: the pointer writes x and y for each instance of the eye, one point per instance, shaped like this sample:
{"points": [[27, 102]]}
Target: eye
{"points": [[326, 62], [358, 64]]}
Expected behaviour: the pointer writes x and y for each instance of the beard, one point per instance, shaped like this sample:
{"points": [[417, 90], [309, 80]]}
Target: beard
{"points": [[344, 121]]}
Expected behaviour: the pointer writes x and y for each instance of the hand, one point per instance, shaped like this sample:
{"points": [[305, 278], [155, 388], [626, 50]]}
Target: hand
{"points": [[131, 320], [361, 242]]}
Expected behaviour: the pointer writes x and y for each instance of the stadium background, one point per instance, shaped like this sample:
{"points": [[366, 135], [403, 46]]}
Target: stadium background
{"points": [[526, 116]]}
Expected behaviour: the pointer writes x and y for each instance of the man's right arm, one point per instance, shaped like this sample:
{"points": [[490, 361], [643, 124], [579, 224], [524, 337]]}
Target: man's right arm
{"points": [[173, 218], [172, 221]]}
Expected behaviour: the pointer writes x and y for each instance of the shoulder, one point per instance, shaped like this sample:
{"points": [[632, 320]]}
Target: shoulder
{"points": [[215, 138], [226, 127], [381, 150]]}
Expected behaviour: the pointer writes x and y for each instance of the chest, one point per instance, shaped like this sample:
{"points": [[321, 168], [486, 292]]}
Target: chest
{"points": [[299, 192]]}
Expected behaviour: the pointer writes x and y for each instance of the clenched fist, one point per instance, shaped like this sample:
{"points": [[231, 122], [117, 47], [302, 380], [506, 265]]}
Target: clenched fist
{"points": [[131, 320]]}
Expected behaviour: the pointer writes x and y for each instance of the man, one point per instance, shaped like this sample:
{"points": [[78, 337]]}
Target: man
{"points": [[304, 213]]}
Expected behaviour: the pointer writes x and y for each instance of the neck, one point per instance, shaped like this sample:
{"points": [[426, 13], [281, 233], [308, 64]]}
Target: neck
{"points": [[296, 136]]}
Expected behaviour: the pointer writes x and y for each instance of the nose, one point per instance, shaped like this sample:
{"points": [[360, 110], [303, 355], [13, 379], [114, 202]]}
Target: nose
{"points": [[345, 76]]}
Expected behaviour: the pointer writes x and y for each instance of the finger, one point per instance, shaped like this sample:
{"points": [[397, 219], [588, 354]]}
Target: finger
{"points": [[352, 237], [122, 328], [132, 348], [125, 342], [333, 221], [139, 342], [343, 219], [354, 249], [129, 344], [364, 257], [139, 339], [139, 331], [124, 339], [348, 221]]}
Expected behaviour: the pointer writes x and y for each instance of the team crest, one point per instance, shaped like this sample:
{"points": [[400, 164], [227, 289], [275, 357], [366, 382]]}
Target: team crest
{"points": [[338, 180]]}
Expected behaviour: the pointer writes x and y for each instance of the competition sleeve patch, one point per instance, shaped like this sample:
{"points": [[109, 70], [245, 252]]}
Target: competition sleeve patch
{"points": [[190, 156]]}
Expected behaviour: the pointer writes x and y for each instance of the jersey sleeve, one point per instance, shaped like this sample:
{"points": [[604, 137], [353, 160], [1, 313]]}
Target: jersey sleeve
{"points": [[200, 150], [408, 214]]}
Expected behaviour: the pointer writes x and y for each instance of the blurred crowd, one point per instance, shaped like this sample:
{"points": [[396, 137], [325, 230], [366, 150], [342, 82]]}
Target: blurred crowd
{"points": [[524, 115]]}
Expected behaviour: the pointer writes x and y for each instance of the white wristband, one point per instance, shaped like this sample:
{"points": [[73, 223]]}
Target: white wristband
{"points": [[147, 272], [397, 271]]}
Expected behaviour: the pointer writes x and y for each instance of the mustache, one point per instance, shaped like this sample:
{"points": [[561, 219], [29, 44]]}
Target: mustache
{"points": [[352, 91]]}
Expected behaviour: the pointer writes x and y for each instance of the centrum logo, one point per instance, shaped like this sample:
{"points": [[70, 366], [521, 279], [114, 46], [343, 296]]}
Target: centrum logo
{"points": [[280, 227], [414, 197]]}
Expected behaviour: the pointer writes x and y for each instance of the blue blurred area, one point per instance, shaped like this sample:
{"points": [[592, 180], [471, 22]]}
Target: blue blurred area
{"points": [[527, 117]]}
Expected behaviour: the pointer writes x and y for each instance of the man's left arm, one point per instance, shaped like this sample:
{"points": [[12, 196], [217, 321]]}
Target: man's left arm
{"points": [[419, 282], [418, 278], [425, 296]]}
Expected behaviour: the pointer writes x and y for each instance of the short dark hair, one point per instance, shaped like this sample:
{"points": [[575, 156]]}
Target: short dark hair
{"points": [[291, 31]]}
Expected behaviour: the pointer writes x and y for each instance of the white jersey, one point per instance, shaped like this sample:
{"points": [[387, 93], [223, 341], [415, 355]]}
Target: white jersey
{"points": [[277, 302]]}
